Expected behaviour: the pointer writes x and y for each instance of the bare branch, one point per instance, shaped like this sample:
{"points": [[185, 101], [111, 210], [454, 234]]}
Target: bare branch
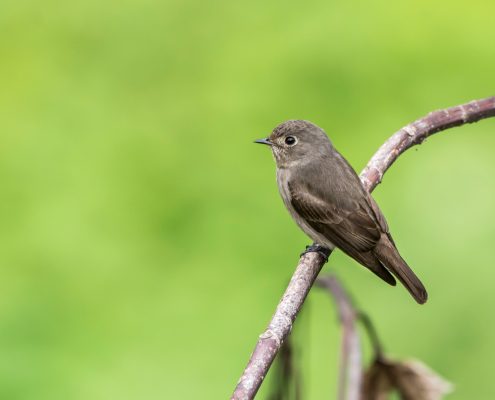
{"points": [[271, 339], [287, 378], [372, 335], [310, 264], [350, 376], [416, 132]]}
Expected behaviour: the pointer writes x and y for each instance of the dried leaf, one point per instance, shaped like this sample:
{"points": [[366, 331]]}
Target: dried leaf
{"points": [[415, 381], [376, 382], [412, 379]]}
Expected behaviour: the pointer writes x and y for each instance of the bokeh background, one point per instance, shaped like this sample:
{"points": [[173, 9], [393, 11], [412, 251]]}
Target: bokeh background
{"points": [[143, 244]]}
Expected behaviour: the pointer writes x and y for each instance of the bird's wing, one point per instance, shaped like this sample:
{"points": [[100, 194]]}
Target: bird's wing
{"points": [[341, 210], [349, 221]]}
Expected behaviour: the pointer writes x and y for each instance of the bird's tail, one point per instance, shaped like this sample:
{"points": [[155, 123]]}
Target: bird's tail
{"points": [[389, 256]]}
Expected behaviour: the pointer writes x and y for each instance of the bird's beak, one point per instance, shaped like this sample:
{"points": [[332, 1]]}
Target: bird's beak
{"points": [[263, 141]]}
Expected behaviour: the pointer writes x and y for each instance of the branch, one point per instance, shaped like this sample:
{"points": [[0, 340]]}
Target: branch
{"points": [[310, 264], [350, 376], [286, 378], [281, 324], [372, 335], [416, 132]]}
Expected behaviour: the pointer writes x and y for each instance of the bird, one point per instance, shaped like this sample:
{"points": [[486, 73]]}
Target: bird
{"points": [[327, 200]]}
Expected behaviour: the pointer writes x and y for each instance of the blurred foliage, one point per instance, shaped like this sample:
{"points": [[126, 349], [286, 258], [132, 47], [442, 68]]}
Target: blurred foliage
{"points": [[143, 244]]}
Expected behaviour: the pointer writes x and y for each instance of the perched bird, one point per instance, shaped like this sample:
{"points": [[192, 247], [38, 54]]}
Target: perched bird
{"points": [[325, 197]]}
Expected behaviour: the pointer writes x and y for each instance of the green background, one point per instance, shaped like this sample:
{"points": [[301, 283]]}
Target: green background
{"points": [[143, 243]]}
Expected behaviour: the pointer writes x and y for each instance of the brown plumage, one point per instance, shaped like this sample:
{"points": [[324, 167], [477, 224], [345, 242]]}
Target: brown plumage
{"points": [[327, 200]]}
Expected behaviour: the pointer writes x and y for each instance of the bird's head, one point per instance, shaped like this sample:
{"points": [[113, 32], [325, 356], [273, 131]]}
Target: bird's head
{"points": [[295, 141]]}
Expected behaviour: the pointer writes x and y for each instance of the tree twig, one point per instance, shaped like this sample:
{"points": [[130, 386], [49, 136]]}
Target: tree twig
{"points": [[417, 131], [271, 339], [376, 344], [351, 374], [287, 379], [310, 264]]}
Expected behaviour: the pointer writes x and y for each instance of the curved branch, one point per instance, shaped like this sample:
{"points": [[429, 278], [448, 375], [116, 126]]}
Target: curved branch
{"points": [[350, 379], [417, 131], [310, 264]]}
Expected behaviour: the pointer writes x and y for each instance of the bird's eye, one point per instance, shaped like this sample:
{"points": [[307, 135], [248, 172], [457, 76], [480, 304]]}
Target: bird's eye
{"points": [[290, 140]]}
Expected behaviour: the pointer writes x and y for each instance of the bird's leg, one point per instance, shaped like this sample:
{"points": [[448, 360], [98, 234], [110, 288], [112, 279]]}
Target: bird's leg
{"points": [[323, 251]]}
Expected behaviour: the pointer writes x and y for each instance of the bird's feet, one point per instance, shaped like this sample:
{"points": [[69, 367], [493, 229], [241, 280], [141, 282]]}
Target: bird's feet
{"points": [[323, 251]]}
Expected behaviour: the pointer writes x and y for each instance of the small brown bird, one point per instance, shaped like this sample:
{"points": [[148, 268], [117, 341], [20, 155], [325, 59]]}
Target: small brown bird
{"points": [[325, 197]]}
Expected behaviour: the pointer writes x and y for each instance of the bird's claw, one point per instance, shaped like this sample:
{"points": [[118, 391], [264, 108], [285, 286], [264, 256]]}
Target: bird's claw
{"points": [[316, 248]]}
